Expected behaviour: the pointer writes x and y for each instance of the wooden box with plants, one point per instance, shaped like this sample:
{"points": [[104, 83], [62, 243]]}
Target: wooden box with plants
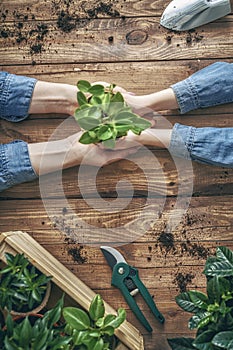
{"points": [[28, 322]]}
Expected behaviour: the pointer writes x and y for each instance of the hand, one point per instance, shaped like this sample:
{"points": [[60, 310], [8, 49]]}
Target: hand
{"points": [[94, 154]]}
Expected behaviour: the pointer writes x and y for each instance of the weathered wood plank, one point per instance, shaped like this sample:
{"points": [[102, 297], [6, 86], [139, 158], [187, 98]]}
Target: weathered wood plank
{"points": [[163, 180], [207, 218], [47, 10], [44, 128], [134, 39], [139, 77]]}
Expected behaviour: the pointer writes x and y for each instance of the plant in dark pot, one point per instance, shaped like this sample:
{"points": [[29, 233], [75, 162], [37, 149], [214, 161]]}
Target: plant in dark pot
{"points": [[213, 312], [92, 330], [104, 115], [23, 288]]}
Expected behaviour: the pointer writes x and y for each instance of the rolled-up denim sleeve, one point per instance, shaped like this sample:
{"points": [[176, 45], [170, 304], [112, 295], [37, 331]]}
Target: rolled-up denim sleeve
{"points": [[210, 86], [15, 96], [15, 164], [208, 145]]}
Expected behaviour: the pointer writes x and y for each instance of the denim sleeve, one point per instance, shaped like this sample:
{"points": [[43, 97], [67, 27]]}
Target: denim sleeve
{"points": [[210, 86], [15, 164], [15, 96], [206, 145]]}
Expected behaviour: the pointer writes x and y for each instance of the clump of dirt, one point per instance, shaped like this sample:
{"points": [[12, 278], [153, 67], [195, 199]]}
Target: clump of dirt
{"points": [[182, 280], [166, 239], [78, 254], [195, 249], [103, 8]]}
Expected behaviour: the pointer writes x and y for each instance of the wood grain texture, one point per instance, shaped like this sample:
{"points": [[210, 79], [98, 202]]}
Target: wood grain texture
{"points": [[129, 34], [125, 44]]}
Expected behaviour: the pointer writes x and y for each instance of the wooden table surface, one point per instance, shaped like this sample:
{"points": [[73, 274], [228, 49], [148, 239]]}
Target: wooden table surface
{"points": [[119, 41]]}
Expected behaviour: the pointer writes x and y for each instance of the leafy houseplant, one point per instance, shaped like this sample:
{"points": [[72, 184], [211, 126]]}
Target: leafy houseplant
{"points": [[22, 286], [213, 312], [93, 330], [104, 115], [43, 334]]}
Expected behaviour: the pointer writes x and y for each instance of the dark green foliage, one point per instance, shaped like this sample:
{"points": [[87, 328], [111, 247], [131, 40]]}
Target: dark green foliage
{"points": [[213, 312], [104, 115], [22, 286], [43, 334]]}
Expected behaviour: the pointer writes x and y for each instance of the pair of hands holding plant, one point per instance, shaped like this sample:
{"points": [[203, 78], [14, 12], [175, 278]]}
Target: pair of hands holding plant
{"points": [[62, 98]]}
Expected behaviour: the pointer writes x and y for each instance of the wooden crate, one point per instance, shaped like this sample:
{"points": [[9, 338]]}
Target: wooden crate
{"points": [[21, 242]]}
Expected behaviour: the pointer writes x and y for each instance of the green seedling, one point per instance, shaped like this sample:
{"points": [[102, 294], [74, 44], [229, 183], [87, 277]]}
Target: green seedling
{"points": [[104, 115]]}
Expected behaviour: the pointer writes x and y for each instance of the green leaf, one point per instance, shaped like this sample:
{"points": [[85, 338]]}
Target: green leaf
{"points": [[99, 344], [219, 268], [109, 330], [100, 322], [83, 85], [96, 90], [185, 302], [224, 254], [216, 288], [105, 132], [117, 98], [181, 343], [26, 332], [142, 123], [199, 299], [197, 318], [87, 138], [9, 325], [88, 123], [97, 308], [82, 100], [115, 321], [95, 100], [203, 341], [76, 318], [223, 340], [78, 337]]}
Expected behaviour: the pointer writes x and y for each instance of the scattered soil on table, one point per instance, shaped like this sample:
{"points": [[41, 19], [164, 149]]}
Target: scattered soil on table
{"points": [[182, 280], [166, 239], [25, 30], [195, 249], [78, 254]]}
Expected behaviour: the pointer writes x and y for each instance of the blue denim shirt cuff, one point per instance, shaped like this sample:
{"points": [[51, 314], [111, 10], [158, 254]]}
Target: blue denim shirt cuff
{"points": [[210, 86], [15, 164], [181, 140], [15, 96], [204, 145], [186, 95]]}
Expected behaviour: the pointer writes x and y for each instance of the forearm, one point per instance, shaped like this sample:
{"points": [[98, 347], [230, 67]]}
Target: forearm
{"points": [[47, 157], [53, 98]]}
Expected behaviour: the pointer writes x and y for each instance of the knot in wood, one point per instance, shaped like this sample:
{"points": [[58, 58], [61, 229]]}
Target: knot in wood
{"points": [[136, 37]]}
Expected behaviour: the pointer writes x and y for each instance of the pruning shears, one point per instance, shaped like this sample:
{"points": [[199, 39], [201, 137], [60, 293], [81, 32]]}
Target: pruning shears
{"points": [[126, 278]]}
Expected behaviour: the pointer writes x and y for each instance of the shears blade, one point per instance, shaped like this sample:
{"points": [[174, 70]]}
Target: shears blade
{"points": [[112, 256]]}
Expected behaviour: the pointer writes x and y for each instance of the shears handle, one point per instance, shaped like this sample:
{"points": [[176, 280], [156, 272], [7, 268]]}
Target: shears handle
{"points": [[121, 271]]}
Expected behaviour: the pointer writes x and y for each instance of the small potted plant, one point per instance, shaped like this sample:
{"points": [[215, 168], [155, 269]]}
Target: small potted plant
{"points": [[104, 115], [23, 288], [213, 312], [92, 330]]}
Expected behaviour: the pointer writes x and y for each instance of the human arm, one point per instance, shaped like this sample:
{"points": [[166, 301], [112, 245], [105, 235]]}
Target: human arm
{"points": [[210, 86], [22, 162]]}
